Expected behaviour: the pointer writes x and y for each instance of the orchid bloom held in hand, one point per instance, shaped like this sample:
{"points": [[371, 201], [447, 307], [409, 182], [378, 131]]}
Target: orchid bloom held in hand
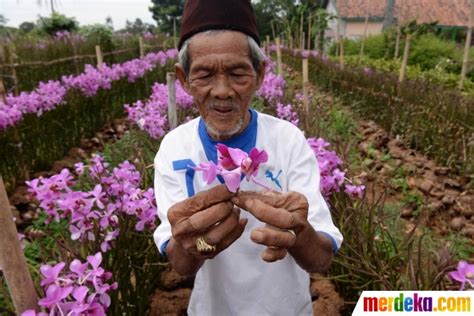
{"points": [[232, 164]]}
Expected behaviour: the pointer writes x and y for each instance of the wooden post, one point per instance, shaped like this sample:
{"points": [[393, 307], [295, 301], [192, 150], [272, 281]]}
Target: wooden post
{"points": [[98, 53], [303, 39], [3, 92], [11, 57], [467, 48], [273, 30], [301, 31], [405, 58], [309, 30], [305, 91], [279, 65], [172, 116], [397, 43], [174, 34], [15, 80], [366, 24], [341, 51], [142, 47], [12, 260], [268, 45]]}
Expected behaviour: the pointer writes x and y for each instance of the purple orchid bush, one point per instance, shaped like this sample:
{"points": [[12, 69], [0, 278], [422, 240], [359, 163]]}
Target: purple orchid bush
{"points": [[50, 95], [232, 164], [101, 206], [332, 178], [93, 215], [82, 289], [151, 116]]}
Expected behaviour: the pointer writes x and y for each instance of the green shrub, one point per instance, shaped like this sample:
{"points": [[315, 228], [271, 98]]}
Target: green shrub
{"points": [[428, 51], [375, 46]]}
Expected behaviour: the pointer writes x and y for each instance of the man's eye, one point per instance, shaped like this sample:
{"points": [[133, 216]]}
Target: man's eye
{"points": [[204, 76]]}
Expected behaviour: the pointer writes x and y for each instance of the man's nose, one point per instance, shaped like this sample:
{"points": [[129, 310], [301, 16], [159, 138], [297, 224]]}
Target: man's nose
{"points": [[222, 88]]}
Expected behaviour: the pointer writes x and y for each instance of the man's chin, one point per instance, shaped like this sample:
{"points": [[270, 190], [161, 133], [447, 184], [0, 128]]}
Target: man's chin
{"points": [[223, 132]]}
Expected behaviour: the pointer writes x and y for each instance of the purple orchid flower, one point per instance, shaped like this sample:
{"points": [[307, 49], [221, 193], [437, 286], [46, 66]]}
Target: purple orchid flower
{"points": [[464, 274], [232, 164], [50, 273], [54, 295], [355, 191]]}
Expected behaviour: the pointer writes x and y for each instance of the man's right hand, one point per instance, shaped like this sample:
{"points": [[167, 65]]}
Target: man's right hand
{"points": [[209, 214]]}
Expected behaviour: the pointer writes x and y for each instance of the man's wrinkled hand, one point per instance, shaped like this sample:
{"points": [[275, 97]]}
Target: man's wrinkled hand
{"points": [[209, 214], [286, 215]]}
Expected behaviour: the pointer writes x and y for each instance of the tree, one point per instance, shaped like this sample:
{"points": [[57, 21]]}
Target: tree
{"points": [[27, 27], [56, 23], [3, 20], [164, 11], [138, 27]]}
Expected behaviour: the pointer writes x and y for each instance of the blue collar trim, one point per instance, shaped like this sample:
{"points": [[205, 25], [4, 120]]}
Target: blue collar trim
{"points": [[244, 141]]}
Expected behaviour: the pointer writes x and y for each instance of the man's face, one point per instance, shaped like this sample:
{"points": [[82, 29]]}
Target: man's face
{"points": [[222, 81]]}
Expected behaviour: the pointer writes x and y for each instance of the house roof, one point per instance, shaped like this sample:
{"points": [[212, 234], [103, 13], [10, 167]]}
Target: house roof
{"points": [[446, 12]]}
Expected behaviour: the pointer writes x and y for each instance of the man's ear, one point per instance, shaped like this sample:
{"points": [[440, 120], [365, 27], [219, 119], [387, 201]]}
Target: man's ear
{"points": [[182, 77], [261, 74]]}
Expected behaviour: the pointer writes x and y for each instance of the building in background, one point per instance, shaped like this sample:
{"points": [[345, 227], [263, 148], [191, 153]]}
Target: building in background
{"points": [[452, 15]]}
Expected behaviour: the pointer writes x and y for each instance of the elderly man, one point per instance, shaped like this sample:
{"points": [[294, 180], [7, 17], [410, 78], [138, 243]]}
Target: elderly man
{"points": [[252, 250]]}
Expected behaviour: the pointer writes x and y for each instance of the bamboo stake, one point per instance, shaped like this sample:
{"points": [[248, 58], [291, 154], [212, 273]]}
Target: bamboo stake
{"points": [[301, 32], [316, 36], [172, 115], [303, 38], [142, 47], [12, 260], [309, 30], [397, 43], [467, 48], [3, 92], [273, 30], [305, 90], [268, 45], [341, 52], [405, 58], [366, 24], [99, 56], [279, 64], [174, 34]]}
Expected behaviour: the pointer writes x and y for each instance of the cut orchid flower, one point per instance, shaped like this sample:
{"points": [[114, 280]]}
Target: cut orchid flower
{"points": [[232, 164]]}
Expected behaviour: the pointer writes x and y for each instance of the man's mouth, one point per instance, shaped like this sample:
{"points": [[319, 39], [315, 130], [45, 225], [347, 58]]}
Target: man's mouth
{"points": [[223, 111]]}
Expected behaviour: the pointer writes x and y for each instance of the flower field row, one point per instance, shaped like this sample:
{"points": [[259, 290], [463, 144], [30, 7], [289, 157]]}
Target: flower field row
{"points": [[44, 59], [50, 95], [71, 109], [436, 121]]}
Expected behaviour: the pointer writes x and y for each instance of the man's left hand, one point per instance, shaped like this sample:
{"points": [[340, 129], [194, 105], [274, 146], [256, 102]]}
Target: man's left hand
{"points": [[286, 216]]}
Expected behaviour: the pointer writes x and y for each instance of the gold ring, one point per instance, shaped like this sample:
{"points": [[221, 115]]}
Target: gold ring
{"points": [[203, 247]]}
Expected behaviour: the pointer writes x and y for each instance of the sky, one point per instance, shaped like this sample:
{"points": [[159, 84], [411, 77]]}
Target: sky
{"points": [[85, 11]]}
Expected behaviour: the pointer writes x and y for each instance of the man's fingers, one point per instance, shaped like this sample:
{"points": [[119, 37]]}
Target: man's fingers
{"points": [[272, 237], [220, 231], [268, 214], [206, 199], [233, 236], [273, 198], [201, 221], [274, 254], [216, 213]]}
